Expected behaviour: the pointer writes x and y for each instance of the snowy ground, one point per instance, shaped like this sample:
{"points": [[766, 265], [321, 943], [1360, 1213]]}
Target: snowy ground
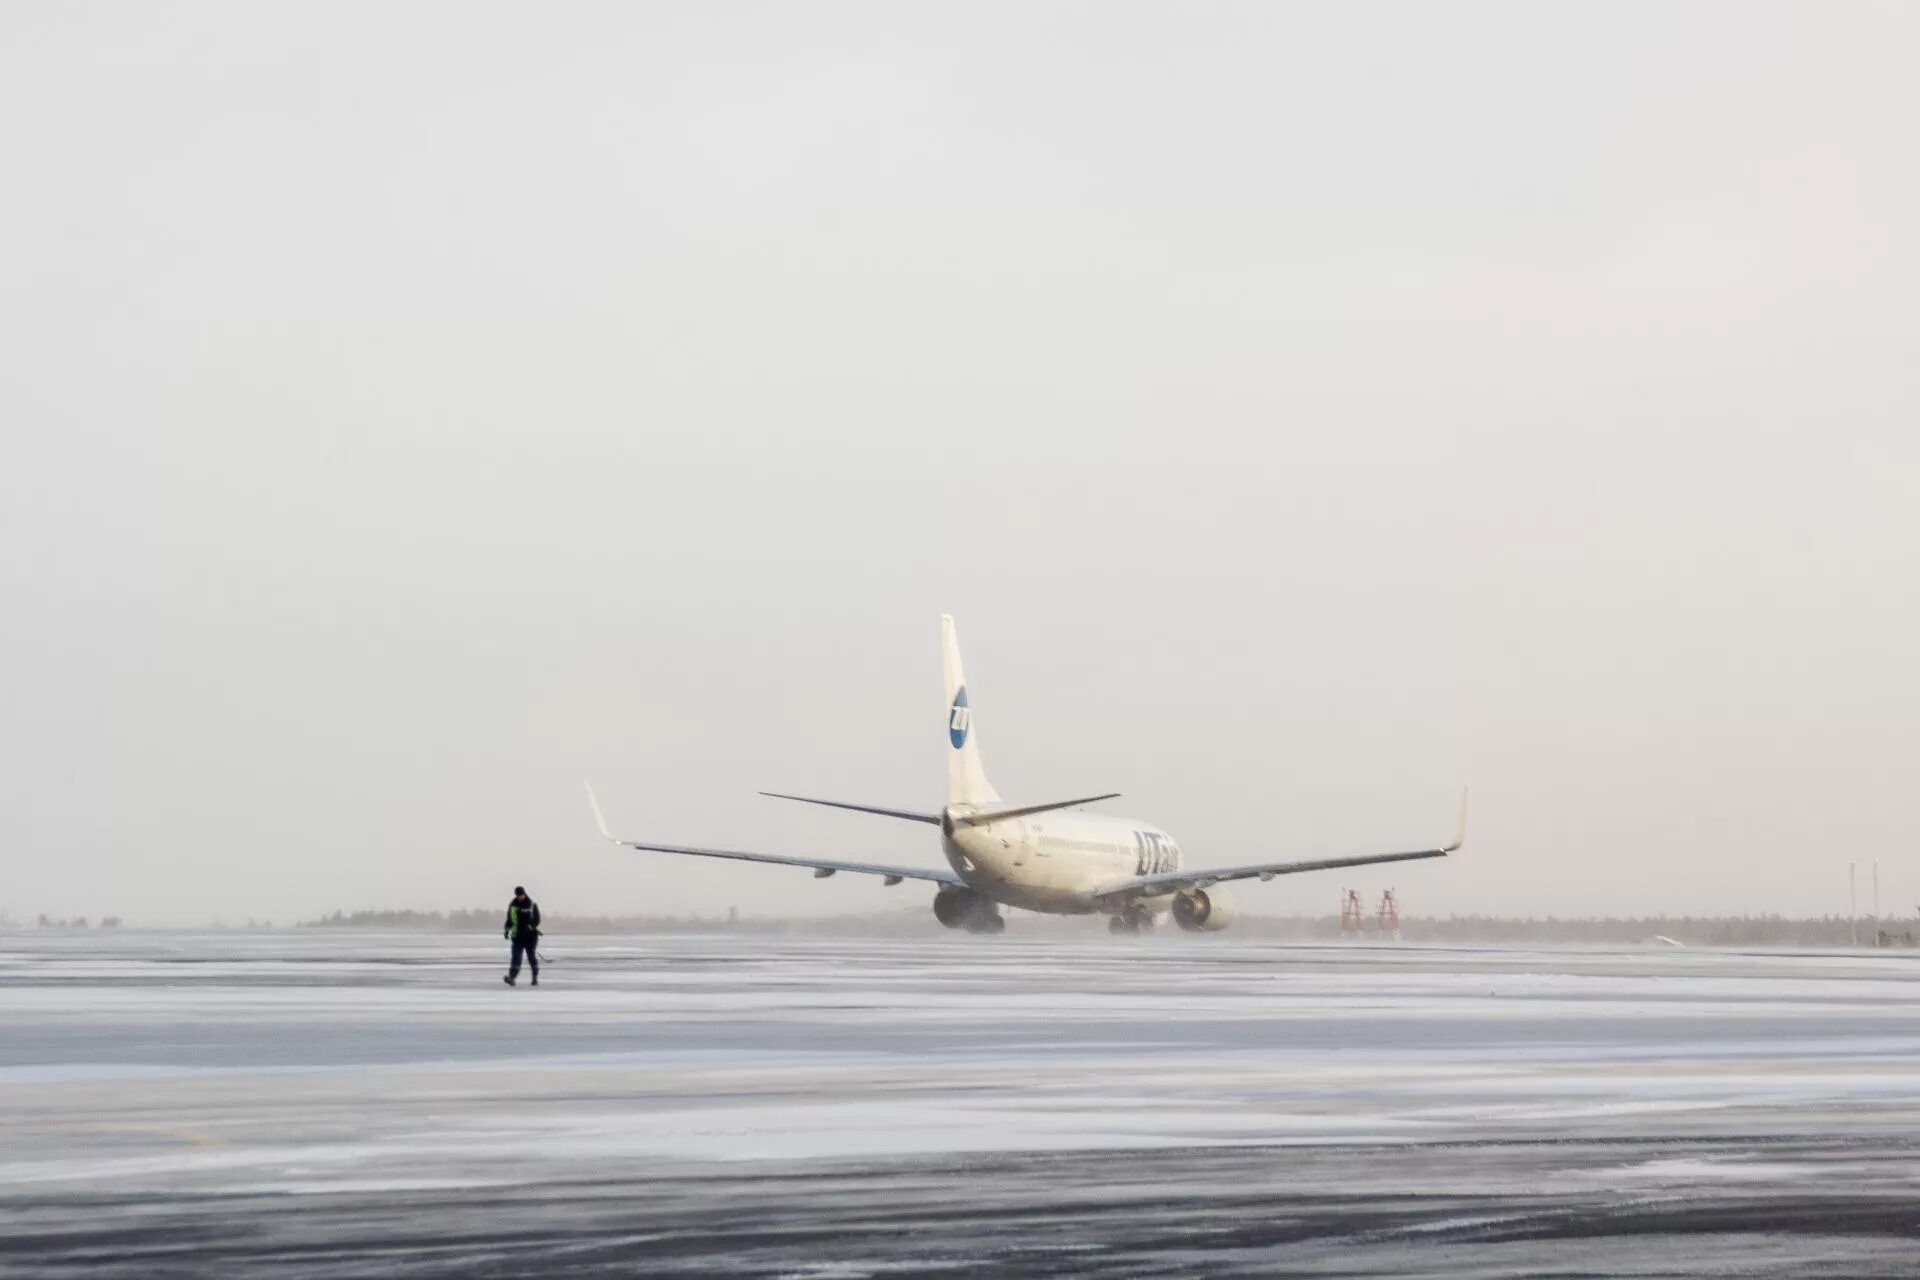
{"points": [[380, 1104]]}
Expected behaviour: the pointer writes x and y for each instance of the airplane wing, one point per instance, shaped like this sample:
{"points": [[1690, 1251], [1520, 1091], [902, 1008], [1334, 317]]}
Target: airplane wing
{"points": [[1200, 878], [821, 867]]}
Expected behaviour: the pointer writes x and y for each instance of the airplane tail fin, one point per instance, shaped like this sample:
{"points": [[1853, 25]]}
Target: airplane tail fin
{"points": [[966, 780]]}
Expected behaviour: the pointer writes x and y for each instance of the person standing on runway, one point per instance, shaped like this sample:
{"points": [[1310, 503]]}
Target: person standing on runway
{"points": [[523, 930]]}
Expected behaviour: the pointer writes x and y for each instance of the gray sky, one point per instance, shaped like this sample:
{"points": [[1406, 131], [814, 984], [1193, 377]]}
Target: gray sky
{"points": [[411, 410]]}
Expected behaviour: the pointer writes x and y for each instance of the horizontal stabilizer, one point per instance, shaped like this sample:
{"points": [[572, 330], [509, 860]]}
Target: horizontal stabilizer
{"points": [[985, 816], [910, 815]]}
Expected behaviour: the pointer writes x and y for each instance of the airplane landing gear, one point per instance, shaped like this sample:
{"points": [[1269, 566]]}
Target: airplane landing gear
{"points": [[1130, 922], [959, 908]]}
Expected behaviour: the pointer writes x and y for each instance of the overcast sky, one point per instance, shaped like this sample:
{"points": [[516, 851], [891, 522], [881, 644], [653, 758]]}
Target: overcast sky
{"points": [[411, 410]]}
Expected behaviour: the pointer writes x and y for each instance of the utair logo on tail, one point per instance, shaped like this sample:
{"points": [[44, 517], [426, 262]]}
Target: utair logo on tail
{"points": [[958, 718], [1041, 857]]}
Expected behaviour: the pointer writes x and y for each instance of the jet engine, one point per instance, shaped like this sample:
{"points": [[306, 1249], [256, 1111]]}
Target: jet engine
{"points": [[959, 908], [1202, 910]]}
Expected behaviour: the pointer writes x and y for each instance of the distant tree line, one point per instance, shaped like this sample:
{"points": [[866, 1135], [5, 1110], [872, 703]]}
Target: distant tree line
{"points": [[1693, 931], [484, 919]]}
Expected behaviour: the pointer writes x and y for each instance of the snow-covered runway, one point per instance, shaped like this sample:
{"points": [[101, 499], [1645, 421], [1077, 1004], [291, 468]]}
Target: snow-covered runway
{"points": [[330, 1103]]}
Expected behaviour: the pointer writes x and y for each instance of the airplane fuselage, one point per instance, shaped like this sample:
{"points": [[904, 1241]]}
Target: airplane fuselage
{"points": [[1057, 861]]}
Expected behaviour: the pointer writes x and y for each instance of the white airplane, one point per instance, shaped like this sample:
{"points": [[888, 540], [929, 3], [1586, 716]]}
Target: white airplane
{"points": [[1041, 857]]}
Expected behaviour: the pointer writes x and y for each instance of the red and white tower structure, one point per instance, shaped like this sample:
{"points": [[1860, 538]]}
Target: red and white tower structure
{"points": [[1389, 916]]}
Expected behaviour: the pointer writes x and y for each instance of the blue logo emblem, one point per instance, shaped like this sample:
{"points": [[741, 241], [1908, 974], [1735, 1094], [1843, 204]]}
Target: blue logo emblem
{"points": [[959, 719]]}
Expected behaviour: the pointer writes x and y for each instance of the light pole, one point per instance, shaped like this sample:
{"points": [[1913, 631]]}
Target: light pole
{"points": [[1853, 910], [1876, 902]]}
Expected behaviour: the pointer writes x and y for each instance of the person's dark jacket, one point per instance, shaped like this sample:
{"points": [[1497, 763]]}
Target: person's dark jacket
{"points": [[523, 919]]}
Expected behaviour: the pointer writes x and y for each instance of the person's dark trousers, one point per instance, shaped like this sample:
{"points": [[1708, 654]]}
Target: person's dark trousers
{"points": [[529, 947]]}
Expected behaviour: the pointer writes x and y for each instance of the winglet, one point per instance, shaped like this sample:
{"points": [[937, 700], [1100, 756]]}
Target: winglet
{"points": [[599, 817], [1460, 831]]}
